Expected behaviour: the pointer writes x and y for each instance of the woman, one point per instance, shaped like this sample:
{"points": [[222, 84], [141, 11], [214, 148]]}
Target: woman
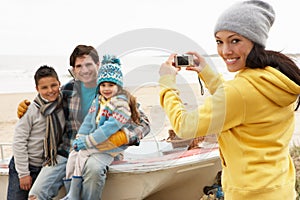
{"points": [[253, 114]]}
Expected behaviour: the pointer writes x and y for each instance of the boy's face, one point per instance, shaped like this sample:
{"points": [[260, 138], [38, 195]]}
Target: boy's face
{"points": [[48, 88], [86, 70], [108, 89]]}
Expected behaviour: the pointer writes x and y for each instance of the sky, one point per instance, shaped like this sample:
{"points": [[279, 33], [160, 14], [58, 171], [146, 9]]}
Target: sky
{"points": [[35, 27]]}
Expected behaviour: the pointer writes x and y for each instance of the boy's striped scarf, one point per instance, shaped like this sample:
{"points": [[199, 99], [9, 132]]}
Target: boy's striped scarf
{"points": [[54, 129]]}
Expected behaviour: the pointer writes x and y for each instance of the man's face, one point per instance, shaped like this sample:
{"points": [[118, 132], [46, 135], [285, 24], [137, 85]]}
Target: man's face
{"points": [[86, 70]]}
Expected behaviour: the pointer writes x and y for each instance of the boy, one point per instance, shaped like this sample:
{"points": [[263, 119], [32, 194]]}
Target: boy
{"points": [[36, 135]]}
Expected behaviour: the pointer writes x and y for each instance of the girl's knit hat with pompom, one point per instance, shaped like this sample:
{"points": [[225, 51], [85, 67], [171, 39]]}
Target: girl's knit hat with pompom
{"points": [[110, 70]]}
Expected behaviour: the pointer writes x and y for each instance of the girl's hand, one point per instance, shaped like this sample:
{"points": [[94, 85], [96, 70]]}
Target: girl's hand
{"points": [[167, 67], [199, 62], [79, 143]]}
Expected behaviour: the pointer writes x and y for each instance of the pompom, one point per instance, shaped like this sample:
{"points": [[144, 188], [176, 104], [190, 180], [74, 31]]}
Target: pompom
{"points": [[110, 59]]}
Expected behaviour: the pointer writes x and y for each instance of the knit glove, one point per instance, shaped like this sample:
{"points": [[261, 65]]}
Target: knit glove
{"points": [[118, 139], [22, 108], [79, 143]]}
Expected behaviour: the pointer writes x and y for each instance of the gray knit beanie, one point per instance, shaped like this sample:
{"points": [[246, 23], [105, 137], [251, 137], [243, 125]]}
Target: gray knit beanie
{"points": [[251, 19]]}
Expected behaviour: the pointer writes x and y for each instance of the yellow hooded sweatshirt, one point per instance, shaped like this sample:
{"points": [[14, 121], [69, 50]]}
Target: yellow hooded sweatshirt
{"points": [[253, 117]]}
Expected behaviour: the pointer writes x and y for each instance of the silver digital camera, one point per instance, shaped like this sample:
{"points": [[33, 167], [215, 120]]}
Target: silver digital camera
{"points": [[184, 60]]}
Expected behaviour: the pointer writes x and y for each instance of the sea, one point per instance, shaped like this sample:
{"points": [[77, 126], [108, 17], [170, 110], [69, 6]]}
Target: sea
{"points": [[17, 71]]}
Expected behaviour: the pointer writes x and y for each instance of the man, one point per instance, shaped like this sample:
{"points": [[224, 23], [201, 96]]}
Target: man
{"points": [[78, 95]]}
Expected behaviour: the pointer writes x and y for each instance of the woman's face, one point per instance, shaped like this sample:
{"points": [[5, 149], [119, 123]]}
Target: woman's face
{"points": [[234, 49]]}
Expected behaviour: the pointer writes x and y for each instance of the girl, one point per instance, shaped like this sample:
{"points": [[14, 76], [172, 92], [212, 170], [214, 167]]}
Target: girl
{"points": [[111, 111]]}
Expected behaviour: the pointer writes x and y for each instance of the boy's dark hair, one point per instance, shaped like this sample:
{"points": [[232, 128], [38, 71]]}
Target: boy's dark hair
{"points": [[44, 71], [82, 50]]}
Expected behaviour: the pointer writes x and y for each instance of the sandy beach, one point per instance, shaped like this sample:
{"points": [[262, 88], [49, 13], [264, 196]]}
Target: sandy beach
{"points": [[148, 96]]}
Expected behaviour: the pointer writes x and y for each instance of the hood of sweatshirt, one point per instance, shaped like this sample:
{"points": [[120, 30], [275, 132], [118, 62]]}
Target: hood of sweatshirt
{"points": [[273, 84]]}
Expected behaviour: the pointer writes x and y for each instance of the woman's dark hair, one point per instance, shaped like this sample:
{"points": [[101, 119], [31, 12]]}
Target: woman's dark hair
{"points": [[260, 58]]}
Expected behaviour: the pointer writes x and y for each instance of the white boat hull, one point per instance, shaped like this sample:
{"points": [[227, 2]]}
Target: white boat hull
{"points": [[155, 171], [182, 182], [172, 174]]}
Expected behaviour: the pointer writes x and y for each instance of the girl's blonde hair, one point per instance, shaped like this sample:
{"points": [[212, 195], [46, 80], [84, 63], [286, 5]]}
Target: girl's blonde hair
{"points": [[133, 105]]}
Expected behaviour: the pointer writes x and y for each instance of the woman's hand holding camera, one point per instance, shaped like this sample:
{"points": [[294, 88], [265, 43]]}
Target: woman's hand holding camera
{"points": [[169, 68], [199, 62]]}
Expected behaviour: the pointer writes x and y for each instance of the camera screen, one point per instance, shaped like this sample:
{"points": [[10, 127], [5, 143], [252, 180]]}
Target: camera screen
{"points": [[183, 60]]}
